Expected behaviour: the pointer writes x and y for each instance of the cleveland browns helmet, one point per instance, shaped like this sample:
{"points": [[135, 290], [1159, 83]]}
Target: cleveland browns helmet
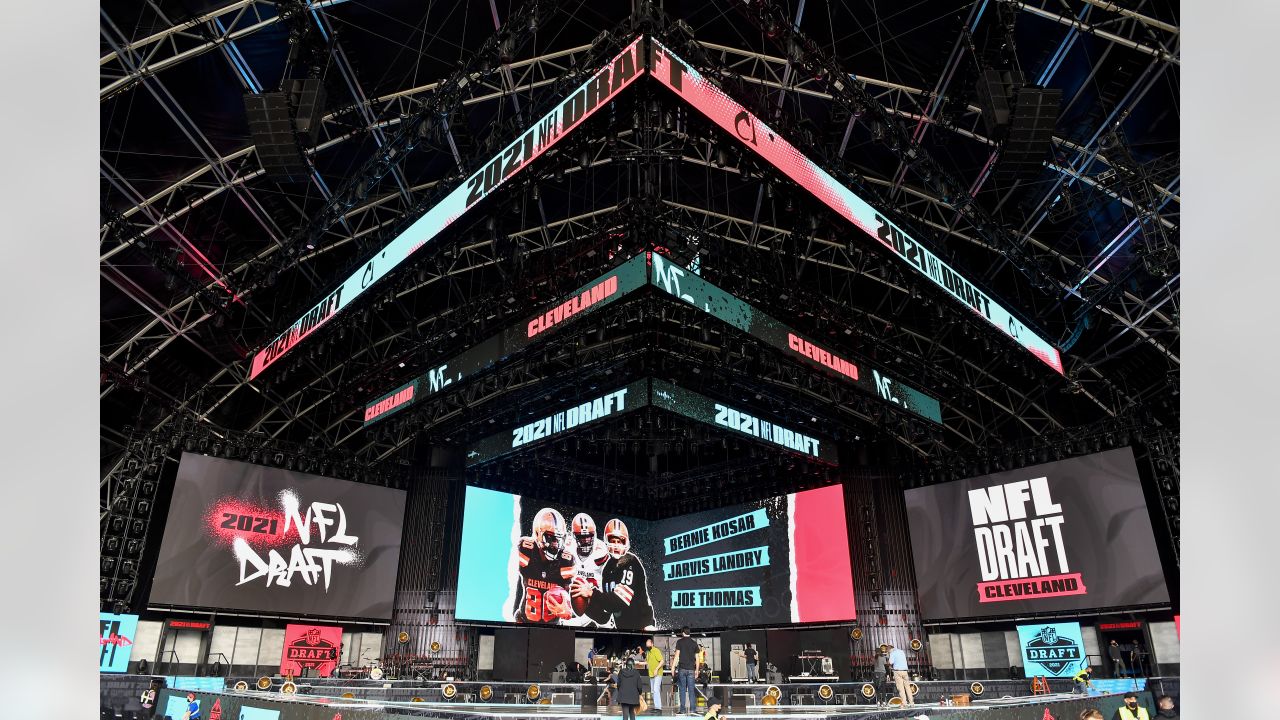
{"points": [[584, 532], [617, 538], [549, 532]]}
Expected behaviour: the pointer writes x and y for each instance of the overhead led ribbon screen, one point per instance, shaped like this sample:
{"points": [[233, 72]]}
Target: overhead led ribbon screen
{"points": [[712, 102], [673, 280], [660, 394], [598, 406], [627, 277], [560, 121], [699, 407], [687, 83]]}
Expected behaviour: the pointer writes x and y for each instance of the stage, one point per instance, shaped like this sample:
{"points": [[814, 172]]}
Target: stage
{"points": [[334, 702]]}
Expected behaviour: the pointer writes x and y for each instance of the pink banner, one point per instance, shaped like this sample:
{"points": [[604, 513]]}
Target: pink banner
{"points": [[1031, 588], [311, 647]]}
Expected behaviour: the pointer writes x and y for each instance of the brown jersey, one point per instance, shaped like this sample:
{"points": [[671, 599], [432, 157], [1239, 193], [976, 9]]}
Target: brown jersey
{"points": [[537, 576]]}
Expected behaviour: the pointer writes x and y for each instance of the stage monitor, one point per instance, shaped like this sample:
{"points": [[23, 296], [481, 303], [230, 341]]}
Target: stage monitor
{"points": [[1066, 536], [780, 561], [275, 541]]}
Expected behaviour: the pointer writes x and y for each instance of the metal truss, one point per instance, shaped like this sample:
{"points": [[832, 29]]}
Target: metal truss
{"points": [[186, 40], [171, 204], [326, 384], [1131, 311], [1130, 28]]}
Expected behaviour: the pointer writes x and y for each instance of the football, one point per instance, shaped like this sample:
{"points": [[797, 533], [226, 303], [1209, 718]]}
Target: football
{"points": [[554, 600], [579, 603]]}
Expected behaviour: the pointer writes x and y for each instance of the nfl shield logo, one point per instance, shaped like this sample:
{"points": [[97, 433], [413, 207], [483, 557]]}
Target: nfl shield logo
{"points": [[1054, 652]]}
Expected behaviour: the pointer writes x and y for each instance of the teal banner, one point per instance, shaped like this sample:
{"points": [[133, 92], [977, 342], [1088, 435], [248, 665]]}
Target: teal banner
{"points": [[713, 564], [738, 597], [722, 530]]}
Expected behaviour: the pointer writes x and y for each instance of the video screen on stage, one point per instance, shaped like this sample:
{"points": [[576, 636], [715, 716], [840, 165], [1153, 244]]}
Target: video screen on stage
{"points": [[783, 560], [248, 537], [1063, 536]]}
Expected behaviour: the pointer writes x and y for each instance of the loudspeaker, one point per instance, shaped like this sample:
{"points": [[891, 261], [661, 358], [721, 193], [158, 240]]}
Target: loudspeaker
{"points": [[272, 131], [275, 118], [1035, 114], [993, 99], [308, 102]]}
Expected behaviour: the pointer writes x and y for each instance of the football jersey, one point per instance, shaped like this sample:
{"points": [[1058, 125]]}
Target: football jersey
{"points": [[538, 575], [589, 568], [623, 598]]}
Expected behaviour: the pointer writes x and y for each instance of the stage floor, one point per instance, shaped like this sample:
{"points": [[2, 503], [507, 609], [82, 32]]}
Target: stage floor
{"points": [[476, 711]]}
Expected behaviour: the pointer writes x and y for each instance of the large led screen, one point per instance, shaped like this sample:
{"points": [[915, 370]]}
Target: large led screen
{"points": [[778, 561], [247, 537], [1064, 536]]}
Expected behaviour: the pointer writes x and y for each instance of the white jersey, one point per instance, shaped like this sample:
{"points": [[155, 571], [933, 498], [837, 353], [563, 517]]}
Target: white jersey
{"points": [[590, 567]]}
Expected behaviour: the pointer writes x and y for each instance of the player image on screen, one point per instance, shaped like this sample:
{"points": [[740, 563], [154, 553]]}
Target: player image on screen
{"points": [[546, 569], [623, 599], [589, 556]]}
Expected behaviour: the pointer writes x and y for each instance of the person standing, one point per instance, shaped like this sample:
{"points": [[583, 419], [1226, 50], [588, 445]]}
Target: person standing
{"points": [[653, 663], [1165, 708], [1117, 659], [880, 670], [1136, 658], [901, 674], [628, 697], [683, 664], [1091, 714], [1131, 710], [752, 657]]}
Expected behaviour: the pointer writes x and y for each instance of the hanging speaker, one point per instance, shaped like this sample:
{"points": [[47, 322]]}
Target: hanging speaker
{"points": [[271, 130]]}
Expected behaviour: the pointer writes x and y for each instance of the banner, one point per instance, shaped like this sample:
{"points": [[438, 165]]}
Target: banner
{"points": [[581, 104], [248, 537], [692, 289], [783, 560], [1065, 536], [711, 101], [1052, 649], [313, 648], [610, 287], [115, 641]]}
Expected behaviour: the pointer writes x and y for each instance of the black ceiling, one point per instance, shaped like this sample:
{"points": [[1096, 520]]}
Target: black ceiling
{"points": [[195, 280]]}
